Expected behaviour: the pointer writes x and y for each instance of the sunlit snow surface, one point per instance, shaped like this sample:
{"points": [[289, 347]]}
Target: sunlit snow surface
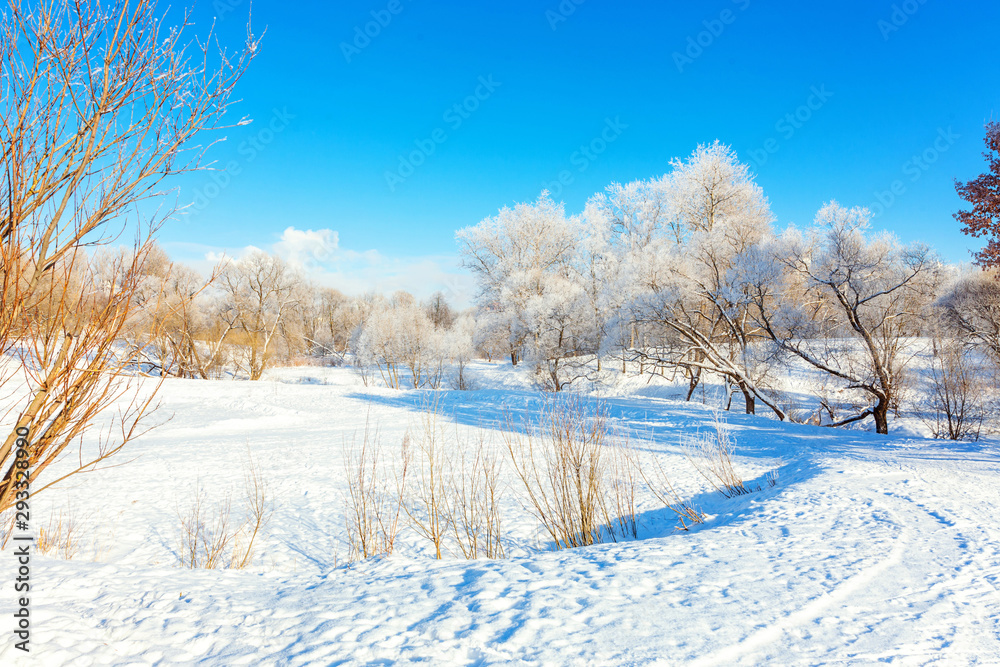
{"points": [[869, 548]]}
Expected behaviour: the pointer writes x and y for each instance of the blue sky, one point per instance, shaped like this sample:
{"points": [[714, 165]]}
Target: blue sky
{"points": [[874, 103]]}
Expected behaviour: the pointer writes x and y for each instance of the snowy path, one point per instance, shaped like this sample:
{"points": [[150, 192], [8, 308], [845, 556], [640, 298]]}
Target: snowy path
{"points": [[866, 551]]}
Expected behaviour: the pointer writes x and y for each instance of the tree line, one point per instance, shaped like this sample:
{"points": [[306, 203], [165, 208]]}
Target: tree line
{"points": [[682, 275]]}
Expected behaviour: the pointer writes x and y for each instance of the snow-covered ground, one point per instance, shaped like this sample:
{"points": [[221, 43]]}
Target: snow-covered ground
{"points": [[868, 549]]}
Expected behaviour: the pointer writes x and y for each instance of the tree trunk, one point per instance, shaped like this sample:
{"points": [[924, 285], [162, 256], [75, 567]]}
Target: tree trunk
{"points": [[750, 400], [881, 415], [695, 377]]}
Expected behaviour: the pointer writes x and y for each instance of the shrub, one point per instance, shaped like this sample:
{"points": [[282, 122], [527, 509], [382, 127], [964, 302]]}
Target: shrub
{"points": [[209, 538], [475, 505], [373, 508], [427, 502], [957, 396], [567, 466], [659, 484], [712, 455]]}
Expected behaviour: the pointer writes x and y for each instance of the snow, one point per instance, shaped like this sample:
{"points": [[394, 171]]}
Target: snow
{"points": [[868, 549]]}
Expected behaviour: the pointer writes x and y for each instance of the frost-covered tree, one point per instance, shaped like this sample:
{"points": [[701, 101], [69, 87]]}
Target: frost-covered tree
{"points": [[713, 189], [638, 214], [492, 334], [526, 261], [379, 345], [627, 225], [399, 339], [843, 299], [458, 345], [561, 331], [510, 255], [971, 309], [676, 239]]}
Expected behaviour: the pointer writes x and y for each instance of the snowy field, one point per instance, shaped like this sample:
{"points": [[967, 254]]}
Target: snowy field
{"points": [[869, 549]]}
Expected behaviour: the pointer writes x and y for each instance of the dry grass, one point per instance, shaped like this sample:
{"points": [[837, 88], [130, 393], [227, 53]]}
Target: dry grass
{"points": [[68, 534], [258, 513], [712, 456], [205, 533], [658, 482], [475, 502], [618, 505], [61, 538], [444, 496], [427, 502], [565, 464], [211, 540], [373, 507]]}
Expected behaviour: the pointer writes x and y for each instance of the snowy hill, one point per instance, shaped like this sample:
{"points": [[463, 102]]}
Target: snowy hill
{"points": [[867, 549]]}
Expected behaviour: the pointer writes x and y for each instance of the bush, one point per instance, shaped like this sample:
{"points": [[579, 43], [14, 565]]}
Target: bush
{"points": [[210, 540], [658, 482], [712, 455], [573, 474], [957, 396], [427, 503], [475, 508], [373, 507]]}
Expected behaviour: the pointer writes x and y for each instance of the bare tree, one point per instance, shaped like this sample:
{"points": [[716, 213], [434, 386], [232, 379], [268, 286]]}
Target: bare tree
{"points": [[957, 393], [100, 105], [326, 323], [342, 317], [971, 310], [439, 312], [184, 324], [844, 302], [261, 291], [169, 317]]}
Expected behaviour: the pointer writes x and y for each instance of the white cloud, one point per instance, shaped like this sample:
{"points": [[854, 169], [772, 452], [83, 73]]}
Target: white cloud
{"points": [[306, 249]]}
